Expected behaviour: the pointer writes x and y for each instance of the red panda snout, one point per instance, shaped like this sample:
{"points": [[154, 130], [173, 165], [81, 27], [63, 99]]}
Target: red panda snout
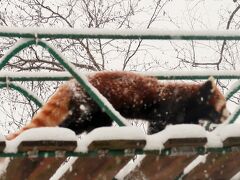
{"points": [[219, 102], [225, 115]]}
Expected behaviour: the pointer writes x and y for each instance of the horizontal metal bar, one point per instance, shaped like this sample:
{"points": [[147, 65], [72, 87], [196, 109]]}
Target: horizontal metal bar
{"points": [[94, 94], [163, 75], [25, 92], [122, 152], [119, 34], [34, 76], [194, 75]]}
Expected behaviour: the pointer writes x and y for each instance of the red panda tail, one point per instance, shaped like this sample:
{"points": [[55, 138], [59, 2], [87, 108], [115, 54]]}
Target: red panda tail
{"points": [[52, 113]]}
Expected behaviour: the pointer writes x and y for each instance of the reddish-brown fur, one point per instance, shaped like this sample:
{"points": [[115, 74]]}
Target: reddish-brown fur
{"points": [[133, 95], [52, 113]]}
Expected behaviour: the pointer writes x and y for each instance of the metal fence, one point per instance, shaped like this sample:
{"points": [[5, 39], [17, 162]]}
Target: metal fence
{"points": [[31, 36]]}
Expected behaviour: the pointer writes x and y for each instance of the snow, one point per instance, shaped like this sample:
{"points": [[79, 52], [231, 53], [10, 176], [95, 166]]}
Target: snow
{"points": [[121, 34], [236, 176], [12, 49], [194, 163], [28, 91], [129, 167], [42, 133], [196, 73], [110, 133], [82, 79], [2, 137], [213, 140], [9, 74], [3, 165], [156, 141], [105, 102], [229, 130], [162, 74], [64, 168], [233, 89]]}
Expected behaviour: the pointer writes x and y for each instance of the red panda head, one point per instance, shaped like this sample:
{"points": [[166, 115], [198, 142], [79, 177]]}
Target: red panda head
{"points": [[211, 96]]}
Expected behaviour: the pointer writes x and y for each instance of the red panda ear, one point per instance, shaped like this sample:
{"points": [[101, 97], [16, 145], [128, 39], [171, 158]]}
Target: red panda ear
{"points": [[206, 90], [213, 81]]}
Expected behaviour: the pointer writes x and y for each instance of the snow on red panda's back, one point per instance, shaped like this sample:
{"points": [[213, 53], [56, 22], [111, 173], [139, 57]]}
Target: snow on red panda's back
{"points": [[134, 96]]}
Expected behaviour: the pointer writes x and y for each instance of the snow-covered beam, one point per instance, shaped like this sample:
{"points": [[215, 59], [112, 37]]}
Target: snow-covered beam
{"points": [[119, 34]]}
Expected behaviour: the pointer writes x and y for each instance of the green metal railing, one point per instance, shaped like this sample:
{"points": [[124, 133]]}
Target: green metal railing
{"points": [[38, 33], [95, 95], [23, 91], [122, 152], [35, 36]]}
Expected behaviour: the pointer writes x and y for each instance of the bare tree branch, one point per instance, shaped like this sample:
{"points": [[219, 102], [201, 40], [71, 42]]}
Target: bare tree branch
{"points": [[225, 42]]}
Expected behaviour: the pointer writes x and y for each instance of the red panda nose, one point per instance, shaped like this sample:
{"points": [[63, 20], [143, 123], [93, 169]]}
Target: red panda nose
{"points": [[225, 115]]}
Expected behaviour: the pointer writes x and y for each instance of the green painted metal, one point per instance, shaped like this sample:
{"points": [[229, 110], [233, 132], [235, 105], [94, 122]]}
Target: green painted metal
{"points": [[16, 49], [35, 39], [174, 76], [234, 115], [26, 93], [233, 90], [121, 152], [119, 34], [39, 78], [62, 76], [107, 107]]}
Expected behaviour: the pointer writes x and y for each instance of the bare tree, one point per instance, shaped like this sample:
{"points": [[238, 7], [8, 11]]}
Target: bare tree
{"points": [[212, 55], [85, 54], [101, 54]]}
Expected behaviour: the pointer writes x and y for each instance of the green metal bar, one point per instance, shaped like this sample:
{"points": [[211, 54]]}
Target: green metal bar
{"points": [[170, 76], [173, 76], [95, 95], [235, 88], [33, 76], [89, 88], [119, 34], [234, 116], [196, 77], [107, 107], [23, 91], [63, 76], [14, 50], [121, 152], [50, 78]]}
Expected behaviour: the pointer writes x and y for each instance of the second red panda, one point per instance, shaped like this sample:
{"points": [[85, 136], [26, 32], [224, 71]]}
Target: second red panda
{"points": [[134, 96]]}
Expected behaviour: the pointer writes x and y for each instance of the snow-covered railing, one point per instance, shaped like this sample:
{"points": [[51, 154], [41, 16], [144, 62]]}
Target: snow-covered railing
{"points": [[175, 140], [38, 33], [115, 146], [165, 143], [35, 35], [94, 94], [25, 92]]}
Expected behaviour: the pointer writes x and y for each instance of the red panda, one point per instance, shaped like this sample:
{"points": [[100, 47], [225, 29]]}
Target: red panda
{"points": [[134, 96]]}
